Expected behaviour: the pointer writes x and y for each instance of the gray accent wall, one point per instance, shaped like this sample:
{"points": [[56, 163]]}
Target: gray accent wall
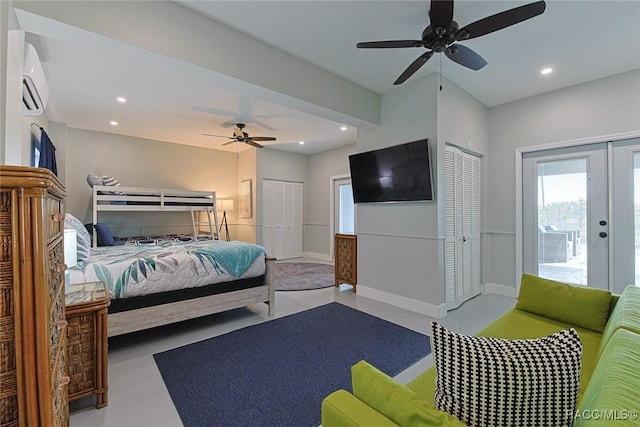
{"points": [[398, 244], [595, 109], [401, 245]]}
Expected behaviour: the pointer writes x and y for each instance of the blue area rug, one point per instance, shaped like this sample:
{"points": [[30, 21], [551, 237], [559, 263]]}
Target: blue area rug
{"points": [[278, 372]]}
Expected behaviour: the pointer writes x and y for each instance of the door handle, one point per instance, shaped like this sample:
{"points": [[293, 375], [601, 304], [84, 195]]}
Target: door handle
{"points": [[602, 234], [603, 222]]}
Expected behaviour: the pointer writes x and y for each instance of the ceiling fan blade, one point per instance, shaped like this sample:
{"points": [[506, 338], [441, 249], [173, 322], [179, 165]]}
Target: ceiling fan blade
{"points": [[465, 57], [230, 142], [501, 20], [253, 144], [415, 66], [441, 14], [217, 136], [263, 138], [390, 44]]}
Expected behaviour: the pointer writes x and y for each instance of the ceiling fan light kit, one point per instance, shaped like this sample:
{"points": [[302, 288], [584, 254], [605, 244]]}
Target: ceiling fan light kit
{"points": [[239, 135], [443, 33]]}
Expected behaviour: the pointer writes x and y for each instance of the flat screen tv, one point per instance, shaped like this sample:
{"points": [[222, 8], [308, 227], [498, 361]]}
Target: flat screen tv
{"points": [[401, 173]]}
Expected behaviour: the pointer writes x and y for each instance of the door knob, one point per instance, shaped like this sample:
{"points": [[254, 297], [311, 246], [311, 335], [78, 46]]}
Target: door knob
{"points": [[602, 234], [602, 222]]}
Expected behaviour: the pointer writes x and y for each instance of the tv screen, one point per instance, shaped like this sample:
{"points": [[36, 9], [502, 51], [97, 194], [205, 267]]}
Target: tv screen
{"points": [[401, 173]]}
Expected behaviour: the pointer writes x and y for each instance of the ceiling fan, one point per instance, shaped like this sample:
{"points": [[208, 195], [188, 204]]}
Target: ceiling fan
{"points": [[241, 136], [443, 33]]}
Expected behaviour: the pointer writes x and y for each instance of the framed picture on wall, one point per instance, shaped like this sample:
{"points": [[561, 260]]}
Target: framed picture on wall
{"points": [[244, 199]]}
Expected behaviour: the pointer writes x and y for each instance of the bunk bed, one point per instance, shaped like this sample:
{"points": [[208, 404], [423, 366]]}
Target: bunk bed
{"points": [[158, 281], [108, 198]]}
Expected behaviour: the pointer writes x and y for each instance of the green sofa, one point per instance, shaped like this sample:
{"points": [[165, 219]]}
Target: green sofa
{"points": [[608, 326]]}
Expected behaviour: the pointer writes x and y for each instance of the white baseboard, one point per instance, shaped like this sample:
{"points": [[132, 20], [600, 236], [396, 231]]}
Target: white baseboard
{"points": [[495, 289], [317, 255], [435, 311]]}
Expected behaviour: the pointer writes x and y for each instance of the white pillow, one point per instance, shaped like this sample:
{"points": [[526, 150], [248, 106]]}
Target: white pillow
{"points": [[83, 239], [94, 180], [505, 383]]}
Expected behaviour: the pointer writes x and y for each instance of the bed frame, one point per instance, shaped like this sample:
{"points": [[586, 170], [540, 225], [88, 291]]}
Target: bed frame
{"points": [[145, 199], [139, 313]]}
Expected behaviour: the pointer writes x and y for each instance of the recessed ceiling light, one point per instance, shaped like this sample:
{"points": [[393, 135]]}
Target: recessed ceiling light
{"points": [[546, 70], [121, 99], [343, 128], [113, 123], [301, 142]]}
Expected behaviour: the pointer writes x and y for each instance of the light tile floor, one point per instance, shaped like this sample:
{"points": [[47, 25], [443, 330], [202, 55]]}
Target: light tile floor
{"points": [[138, 397]]}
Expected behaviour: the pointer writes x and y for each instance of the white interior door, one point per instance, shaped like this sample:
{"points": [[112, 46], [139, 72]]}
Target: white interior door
{"points": [[566, 216], [282, 218], [462, 226]]}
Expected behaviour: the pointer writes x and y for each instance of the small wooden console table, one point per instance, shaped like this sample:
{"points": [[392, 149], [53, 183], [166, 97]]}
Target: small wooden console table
{"points": [[346, 259]]}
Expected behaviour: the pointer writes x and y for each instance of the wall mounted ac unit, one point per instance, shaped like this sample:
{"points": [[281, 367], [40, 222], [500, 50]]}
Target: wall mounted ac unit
{"points": [[35, 90]]}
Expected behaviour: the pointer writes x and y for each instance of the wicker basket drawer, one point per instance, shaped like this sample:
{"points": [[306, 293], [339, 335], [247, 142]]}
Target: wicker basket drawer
{"points": [[81, 349]]}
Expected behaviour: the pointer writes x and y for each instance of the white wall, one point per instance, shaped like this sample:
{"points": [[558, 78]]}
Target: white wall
{"points": [[598, 108], [4, 35], [246, 227], [322, 166], [143, 163]]}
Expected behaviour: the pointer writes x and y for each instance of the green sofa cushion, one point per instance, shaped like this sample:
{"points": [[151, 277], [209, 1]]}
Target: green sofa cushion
{"points": [[342, 408], [625, 315], [614, 387], [394, 400], [584, 307]]}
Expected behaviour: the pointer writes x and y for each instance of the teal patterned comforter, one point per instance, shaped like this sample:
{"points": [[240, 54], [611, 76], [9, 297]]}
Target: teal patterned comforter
{"points": [[164, 265]]}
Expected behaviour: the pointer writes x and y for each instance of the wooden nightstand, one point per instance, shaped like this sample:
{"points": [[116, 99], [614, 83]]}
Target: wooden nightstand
{"points": [[86, 312]]}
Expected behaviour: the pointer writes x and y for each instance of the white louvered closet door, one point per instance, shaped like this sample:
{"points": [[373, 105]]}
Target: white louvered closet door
{"points": [[462, 226], [282, 218]]}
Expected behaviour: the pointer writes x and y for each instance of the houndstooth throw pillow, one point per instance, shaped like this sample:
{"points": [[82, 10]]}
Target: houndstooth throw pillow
{"points": [[498, 382]]}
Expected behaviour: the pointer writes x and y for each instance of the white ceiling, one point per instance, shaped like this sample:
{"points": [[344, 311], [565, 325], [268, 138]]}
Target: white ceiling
{"points": [[581, 40]]}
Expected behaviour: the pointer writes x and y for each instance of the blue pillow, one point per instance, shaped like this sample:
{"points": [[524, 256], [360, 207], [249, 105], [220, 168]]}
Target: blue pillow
{"points": [[105, 237]]}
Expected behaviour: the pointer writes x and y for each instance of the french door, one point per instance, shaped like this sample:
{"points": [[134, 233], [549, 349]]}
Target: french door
{"points": [[579, 214]]}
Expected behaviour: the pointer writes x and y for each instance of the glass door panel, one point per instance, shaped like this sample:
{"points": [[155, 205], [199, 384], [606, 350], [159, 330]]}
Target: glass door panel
{"points": [[626, 214], [565, 215], [345, 214], [562, 220]]}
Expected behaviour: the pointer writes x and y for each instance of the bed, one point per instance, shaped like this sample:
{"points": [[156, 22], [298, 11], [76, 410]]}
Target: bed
{"points": [[153, 282], [157, 281]]}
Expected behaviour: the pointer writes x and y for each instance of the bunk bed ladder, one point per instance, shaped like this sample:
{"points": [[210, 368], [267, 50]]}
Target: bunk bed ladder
{"points": [[196, 223]]}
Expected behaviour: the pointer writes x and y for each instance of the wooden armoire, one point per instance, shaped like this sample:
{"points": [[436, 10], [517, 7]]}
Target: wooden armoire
{"points": [[33, 366]]}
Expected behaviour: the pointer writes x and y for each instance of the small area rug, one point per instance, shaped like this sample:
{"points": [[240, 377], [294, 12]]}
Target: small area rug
{"points": [[300, 276], [278, 372]]}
